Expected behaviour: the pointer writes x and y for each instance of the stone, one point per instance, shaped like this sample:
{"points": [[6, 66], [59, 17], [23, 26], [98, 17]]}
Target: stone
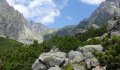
{"points": [[76, 67], [38, 65], [55, 68], [49, 59], [75, 56], [91, 48], [93, 62], [98, 68], [88, 55], [53, 59]]}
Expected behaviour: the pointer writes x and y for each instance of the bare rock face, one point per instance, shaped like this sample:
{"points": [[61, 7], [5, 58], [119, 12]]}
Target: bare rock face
{"points": [[12, 23], [114, 26], [15, 26], [102, 14]]}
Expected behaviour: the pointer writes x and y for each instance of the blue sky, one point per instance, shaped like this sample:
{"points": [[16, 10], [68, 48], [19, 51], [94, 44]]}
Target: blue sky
{"points": [[55, 13]]}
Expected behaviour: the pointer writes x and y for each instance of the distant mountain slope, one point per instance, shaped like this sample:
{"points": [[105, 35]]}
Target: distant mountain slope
{"points": [[102, 14], [99, 17]]}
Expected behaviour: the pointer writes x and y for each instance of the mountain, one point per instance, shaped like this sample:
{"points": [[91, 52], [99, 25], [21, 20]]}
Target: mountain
{"points": [[15, 26], [102, 14], [99, 17]]}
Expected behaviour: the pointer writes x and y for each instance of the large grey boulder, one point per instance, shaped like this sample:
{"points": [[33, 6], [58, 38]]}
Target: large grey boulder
{"points": [[50, 59], [75, 56], [91, 48], [53, 59]]}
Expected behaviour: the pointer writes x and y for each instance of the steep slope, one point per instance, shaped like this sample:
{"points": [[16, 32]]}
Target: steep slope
{"points": [[38, 28], [11, 22], [106, 11], [15, 26], [67, 30]]}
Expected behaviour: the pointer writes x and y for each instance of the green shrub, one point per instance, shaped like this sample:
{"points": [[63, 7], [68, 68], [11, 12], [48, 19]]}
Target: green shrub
{"points": [[91, 33], [93, 41], [64, 43], [68, 67], [111, 55], [21, 58]]}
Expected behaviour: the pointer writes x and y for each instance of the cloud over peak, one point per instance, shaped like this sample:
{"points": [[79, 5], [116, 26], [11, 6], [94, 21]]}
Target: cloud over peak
{"points": [[39, 11], [92, 2]]}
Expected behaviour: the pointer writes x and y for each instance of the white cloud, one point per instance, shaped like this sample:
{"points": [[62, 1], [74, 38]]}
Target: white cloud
{"points": [[68, 17], [92, 2], [65, 2], [42, 11]]}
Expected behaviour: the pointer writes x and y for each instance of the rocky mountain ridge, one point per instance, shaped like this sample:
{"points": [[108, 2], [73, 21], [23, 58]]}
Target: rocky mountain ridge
{"points": [[99, 17], [15, 26], [102, 14]]}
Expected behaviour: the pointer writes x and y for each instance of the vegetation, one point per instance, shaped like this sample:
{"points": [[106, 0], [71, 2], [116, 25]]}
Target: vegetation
{"points": [[91, 33], [16, 56], [68, 67], [64, 43], [19, 58], [8, 43], [111, 55]]}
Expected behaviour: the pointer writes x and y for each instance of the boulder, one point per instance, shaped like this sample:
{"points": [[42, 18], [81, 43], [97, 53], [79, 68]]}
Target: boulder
{"points": [[39, 65], [55, 68], [77, 67], [50, 59], [91, 48], [53, 59], [93, 62], [98, 68], [75, 56], [88, 55]]}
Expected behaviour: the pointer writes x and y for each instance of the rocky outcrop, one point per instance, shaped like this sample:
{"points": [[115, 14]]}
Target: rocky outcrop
{"points": [[114, 26], [79, 59]]}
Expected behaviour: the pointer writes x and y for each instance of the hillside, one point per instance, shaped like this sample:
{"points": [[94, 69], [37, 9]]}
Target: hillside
{"points": [[8, 43], [14, 25], [98, 18], [102, 14]]}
